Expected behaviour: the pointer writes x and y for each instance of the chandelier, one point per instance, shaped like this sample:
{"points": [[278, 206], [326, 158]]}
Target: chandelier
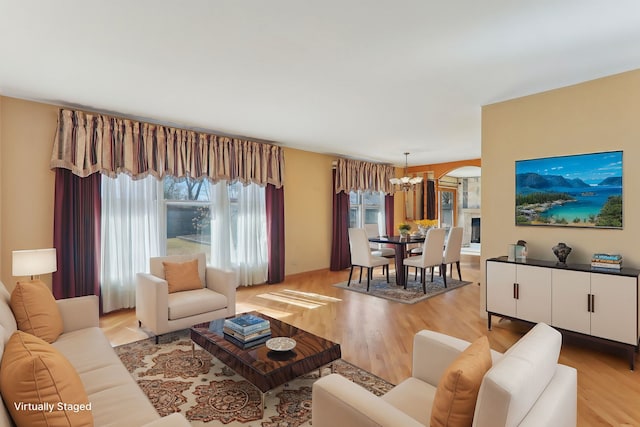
{"points": [[407, 182]]}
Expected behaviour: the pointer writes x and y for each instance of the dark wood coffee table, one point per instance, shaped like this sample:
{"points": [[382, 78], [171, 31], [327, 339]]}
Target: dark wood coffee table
{"points": [[262, 367]]}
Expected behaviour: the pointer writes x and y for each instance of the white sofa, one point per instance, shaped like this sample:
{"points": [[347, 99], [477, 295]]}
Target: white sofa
{"points": [[525, 387], [116, 399], [160, 311]]}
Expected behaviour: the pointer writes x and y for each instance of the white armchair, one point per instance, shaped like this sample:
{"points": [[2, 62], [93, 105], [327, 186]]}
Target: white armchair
{"points": [[525, 387], [160, 311]]}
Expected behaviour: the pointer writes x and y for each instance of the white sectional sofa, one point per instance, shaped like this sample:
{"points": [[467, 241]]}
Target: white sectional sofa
{"points": [[525, 387], [116, 399]]}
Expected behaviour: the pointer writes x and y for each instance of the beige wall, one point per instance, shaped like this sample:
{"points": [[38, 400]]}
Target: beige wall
{"points": [[26, 182], [595, 116], [27, 190], [307, 213]]}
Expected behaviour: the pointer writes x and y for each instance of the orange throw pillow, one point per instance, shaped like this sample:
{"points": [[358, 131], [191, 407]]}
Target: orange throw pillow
{"points": [[40, 387], [455, 399], [182, 276], [36, 310]]}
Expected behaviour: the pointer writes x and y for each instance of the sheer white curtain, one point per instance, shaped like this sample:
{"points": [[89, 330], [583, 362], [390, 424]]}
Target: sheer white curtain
{"points": [[220, 226], [251, 257], [130, 236], [239, 231]]}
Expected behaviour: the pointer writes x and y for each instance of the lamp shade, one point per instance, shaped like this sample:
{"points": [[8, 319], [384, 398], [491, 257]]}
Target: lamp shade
{"points": [[34, 261]]}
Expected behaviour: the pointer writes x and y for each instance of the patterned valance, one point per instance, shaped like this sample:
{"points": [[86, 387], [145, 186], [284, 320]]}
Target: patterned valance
{"points": [[86, 143], [354, 175]]}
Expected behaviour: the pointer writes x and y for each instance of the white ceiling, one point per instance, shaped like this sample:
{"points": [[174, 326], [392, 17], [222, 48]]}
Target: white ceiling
{"points": [[364, 79]]}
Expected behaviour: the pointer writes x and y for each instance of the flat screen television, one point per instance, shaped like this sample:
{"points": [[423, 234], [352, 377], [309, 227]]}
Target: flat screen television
{"points": [[582, 190]]}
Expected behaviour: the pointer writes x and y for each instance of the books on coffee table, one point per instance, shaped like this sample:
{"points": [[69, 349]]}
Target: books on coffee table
{"points": [[247, 344], [246, 324], [247, 330]]}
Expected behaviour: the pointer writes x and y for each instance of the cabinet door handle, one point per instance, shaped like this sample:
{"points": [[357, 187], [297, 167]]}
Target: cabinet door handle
{"points": [[589, 303], [593, 303], [516, 291]]}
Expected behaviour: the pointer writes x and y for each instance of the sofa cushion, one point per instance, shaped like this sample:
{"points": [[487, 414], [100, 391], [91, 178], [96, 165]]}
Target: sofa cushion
{"points": [[7, 319], [36, 310], [455, 398], [34, 373], [107, 382], [182, 276], [192, 303], [514, 383]]}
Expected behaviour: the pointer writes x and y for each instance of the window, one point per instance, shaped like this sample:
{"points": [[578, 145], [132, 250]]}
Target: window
{"points": [[187, 216], [197, 213], [366, 208]]}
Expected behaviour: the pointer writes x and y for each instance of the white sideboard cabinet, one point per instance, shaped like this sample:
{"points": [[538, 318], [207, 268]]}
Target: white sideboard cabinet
{"points": [[598, 304]]}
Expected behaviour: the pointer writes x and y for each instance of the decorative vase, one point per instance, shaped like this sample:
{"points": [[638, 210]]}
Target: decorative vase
{"points": [[561, 251], [404, 232], [423, 230]]}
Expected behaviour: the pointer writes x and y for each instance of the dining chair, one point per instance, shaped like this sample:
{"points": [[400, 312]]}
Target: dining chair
{"points": [[431, 255], [376, 248], [361, 256], [452, 253]]}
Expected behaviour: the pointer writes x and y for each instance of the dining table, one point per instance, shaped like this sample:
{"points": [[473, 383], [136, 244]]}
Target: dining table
{"points": [[400, 244]]}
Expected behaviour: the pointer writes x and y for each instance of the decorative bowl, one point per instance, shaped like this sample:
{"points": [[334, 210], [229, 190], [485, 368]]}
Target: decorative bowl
{"points": [[281, 344]]}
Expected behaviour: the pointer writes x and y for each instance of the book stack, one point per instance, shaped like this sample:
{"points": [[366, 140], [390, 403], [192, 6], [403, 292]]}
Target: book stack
{"points": [[247, 330], [606, 261]]}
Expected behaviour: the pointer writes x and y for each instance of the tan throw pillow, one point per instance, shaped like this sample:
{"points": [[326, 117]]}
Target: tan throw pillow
{"points": [[40, 387], [182, 276], [36, 310], [455, 399]]}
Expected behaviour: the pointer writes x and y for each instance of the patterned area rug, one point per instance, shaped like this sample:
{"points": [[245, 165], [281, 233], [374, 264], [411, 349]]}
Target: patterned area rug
{"points": [[413, 294], [176, 378]]}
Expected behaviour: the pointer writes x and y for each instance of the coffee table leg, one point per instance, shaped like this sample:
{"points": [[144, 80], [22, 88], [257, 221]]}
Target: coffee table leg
{"points": [[193, 350]]}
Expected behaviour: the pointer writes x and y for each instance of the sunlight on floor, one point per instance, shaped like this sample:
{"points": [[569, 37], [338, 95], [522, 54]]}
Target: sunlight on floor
{"points": [[301, 299]]}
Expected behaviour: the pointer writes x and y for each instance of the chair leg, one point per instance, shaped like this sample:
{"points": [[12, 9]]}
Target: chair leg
{"points": [[432, 269], [415, 277], [139, 324], [443, 272], [458, 267], [423, 274], [424, 283], [369, 273], [350, 274], [406, 275], [387, 273], [157, 336], [360, 280]]}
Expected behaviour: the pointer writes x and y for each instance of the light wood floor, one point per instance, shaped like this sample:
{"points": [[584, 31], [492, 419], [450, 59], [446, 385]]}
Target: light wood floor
{"points": [[377, 334]]}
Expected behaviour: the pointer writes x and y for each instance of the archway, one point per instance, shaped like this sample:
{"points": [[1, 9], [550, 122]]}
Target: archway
{"points": [[463, 184]]}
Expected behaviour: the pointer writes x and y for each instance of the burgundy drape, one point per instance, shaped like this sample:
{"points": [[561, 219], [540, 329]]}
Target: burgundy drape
{"points": [[340, 254], [275, 233], [76, 234], [431, 200], [389, 209]]}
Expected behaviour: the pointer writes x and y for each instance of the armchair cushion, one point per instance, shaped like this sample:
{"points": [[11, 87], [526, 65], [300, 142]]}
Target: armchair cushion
{"points": [[182, 276], [455, 398], [185, 304], [36, 310]]}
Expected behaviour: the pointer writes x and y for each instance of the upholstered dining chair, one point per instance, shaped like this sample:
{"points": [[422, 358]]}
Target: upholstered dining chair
{"points": [[376, 248], [431, 255], [361, 255], [181, 291], [452, 253]]}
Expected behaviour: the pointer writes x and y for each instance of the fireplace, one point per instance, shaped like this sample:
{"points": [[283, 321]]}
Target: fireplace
{"points": [[475, 230], [470, 221]]}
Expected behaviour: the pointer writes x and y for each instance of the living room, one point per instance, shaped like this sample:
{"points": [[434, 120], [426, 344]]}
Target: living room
{"points": [[595, 116]]}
